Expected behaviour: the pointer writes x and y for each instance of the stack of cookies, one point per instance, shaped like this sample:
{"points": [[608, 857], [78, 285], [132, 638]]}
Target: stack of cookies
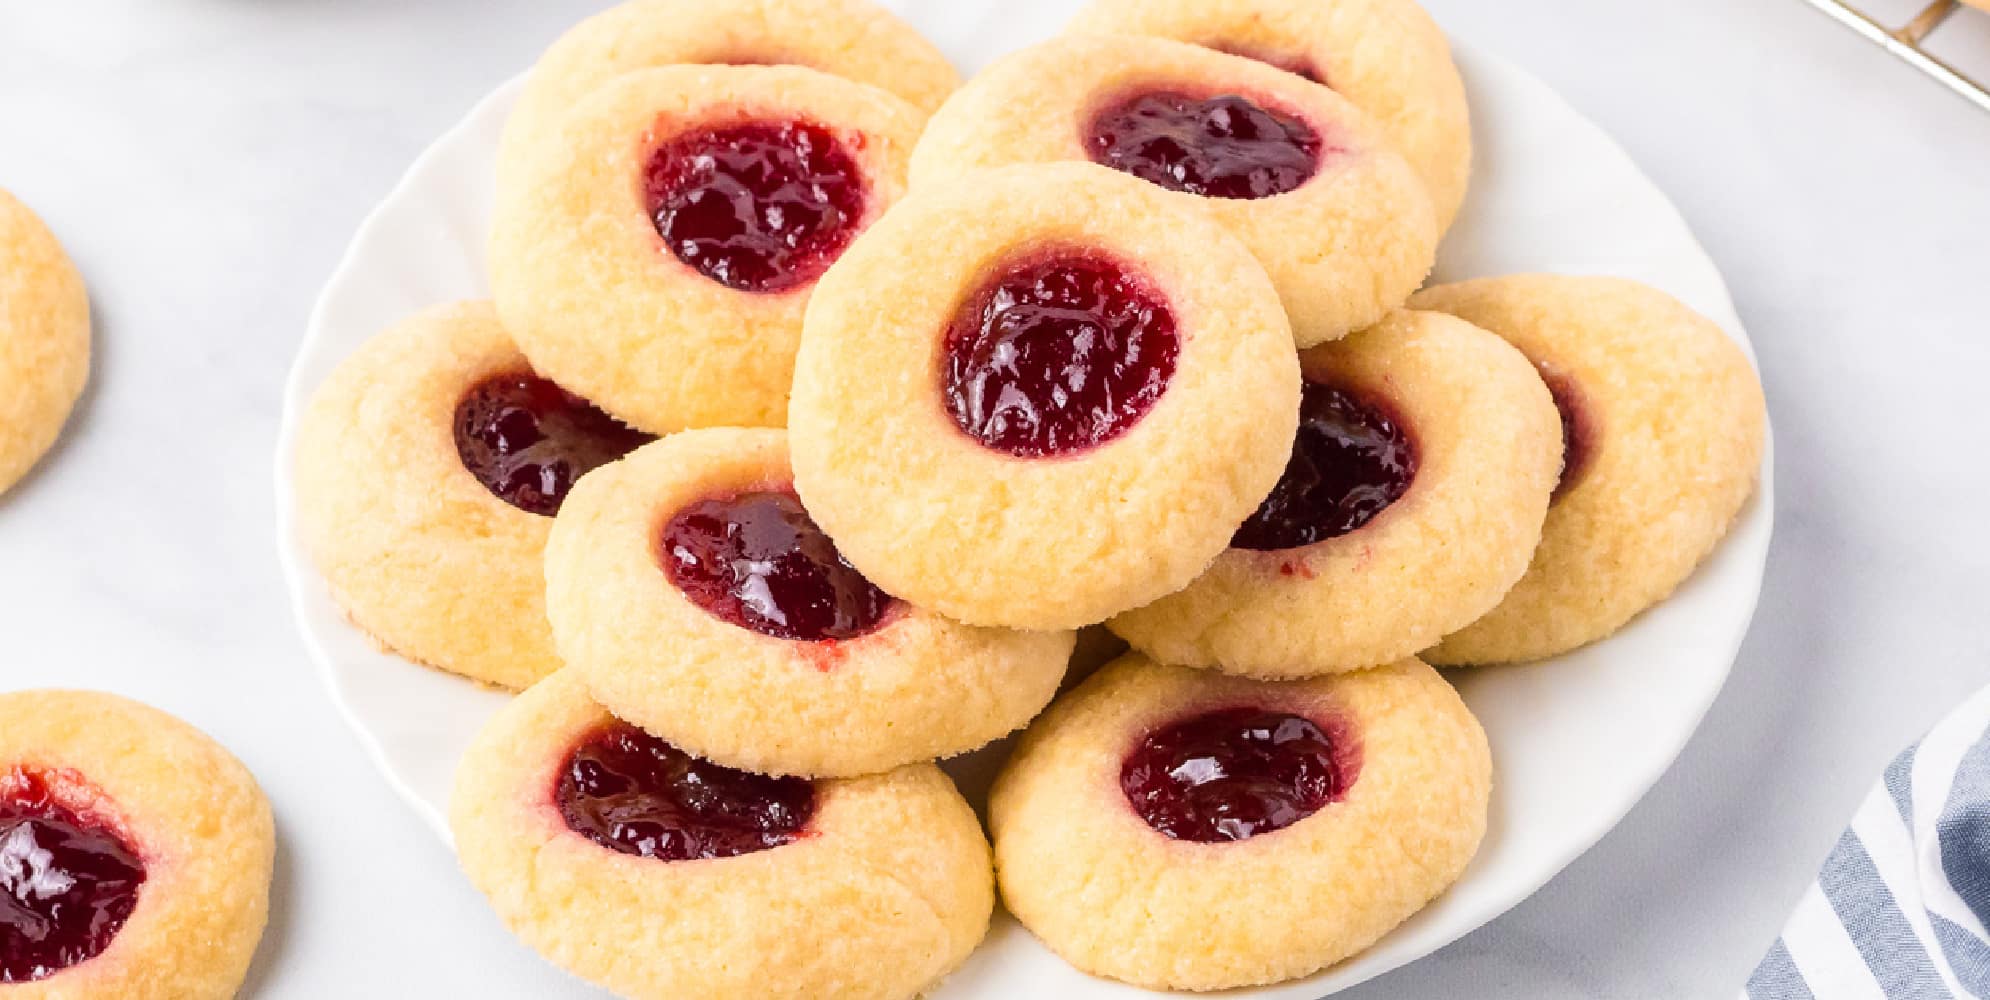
{"points": [[823, 400]]}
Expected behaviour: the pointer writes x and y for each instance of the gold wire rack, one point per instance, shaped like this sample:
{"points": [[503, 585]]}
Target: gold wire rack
{"points": [[1905, 42]]}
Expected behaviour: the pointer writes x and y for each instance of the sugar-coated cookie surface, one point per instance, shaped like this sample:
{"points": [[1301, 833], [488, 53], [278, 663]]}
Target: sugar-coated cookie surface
{"points": [[883, 891], [603, 304], [416, 550], [1340, 219], [952, 488], [1666, 428], [138, 853], [1309, 818], [794, 666], [854, 39], [1387, 57], [1485, 443], [44, 339]]}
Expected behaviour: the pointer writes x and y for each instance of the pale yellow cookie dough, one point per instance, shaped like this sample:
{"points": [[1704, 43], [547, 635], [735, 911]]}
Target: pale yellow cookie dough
{"points": [[917, 688], [1676, 423], [1117, 898], [854, 39], [1488, 443], [598, 302], [886, 892], [1343, 249], [417, 552], [44, 339], [937, 518], [191, 812], [1387, 57]]}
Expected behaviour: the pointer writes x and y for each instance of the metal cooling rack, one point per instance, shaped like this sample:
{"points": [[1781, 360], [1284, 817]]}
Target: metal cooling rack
{"points": [[1905, 42]]}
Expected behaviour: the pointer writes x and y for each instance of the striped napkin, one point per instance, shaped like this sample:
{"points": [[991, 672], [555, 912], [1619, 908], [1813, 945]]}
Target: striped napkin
{"points": [[1900, 907]]}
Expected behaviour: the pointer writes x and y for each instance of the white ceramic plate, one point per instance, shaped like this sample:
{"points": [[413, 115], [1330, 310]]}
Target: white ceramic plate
{"points": [[1575, 741]]}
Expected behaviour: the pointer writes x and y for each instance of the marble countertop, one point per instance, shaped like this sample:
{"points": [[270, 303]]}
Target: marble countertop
{"points": [[207, 160]]}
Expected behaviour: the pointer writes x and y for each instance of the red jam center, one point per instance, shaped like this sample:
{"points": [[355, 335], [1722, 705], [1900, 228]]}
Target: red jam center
{"points": [[1352, 459], [528, 441], [631, 792], [1057, 355], [1578, 430], [759, 206], [758, 560], [1234, 773], [66, 884], [1219, 147]]}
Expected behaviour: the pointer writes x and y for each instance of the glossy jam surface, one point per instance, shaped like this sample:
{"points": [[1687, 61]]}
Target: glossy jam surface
{"points": [[66, 884], [756, 206], [631, 792], [1057, 354], [1351, 460], [528, 441], [1234, 773], [1578, 429], [758, 560], [1219, 147]]}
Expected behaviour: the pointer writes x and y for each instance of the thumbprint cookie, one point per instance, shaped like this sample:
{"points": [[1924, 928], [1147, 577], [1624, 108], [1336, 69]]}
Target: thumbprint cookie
{"points": [[44, 339], [1387, 57], [661, 876], [1411, 502], [694, 594], [854, 39], [655, 252], [1041, 396], [135, 853], [1314, 188], [1662, 431], [429, 466], [1181, 829]]}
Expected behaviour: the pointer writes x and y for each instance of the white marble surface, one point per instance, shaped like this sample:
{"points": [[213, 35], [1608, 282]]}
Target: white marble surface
{"points": [[206, 161]]}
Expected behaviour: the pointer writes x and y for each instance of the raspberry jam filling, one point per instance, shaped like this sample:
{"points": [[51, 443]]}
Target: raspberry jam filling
{"points": [[67, 884], [528, 441], [1057, 354], [631, 792], [756, 206], [758, 560], [1578, 430], [1351, 460], [1218, 147], [1234, 773]]}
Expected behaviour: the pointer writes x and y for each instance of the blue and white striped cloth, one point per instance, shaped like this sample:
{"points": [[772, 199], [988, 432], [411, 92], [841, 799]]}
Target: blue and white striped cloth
{"points": [[1900, 907]]}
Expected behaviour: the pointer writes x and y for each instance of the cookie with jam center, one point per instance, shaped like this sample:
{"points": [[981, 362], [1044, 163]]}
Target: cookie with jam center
{"points": [[1411, 503], [1183, 829], [1663, 427], [694, 593], [648, 871], [1387, 57], [1315, 188], [429, 466], [1040, 396], [135, 853], [655, 251]]}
